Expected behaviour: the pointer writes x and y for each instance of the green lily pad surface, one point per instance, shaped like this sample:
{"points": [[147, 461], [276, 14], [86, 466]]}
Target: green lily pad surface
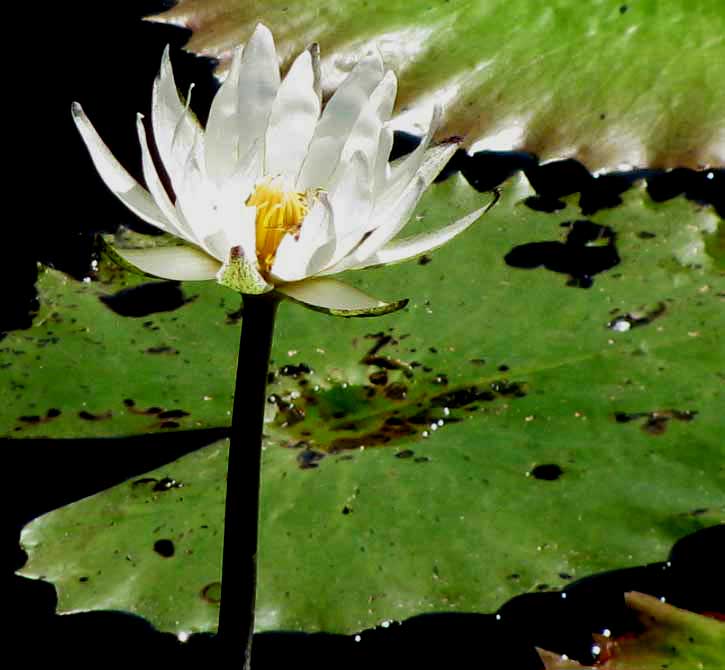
{"points": [[609, 82], [506, 432]]}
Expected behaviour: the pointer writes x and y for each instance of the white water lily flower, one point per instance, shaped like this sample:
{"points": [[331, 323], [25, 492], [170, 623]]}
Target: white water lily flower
{"points": [[276, 194]]}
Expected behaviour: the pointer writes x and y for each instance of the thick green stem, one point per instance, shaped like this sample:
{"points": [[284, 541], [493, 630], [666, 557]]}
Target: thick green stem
{"points": [[239, 560]]}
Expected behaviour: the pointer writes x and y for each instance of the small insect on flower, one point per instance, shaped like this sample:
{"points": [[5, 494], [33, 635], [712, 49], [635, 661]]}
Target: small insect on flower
{"points": [[277, 193]]}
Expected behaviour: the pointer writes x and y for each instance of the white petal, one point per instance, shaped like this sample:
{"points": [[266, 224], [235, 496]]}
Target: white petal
{"points": [[389, 227], [180, 263], [352, 204], [365, 134], [197, 204], [231, 213], [425, 161], [176, 224], [240, 111], [392, 214], [301, 257], [337, 120], [337, 298], [382, 167], [237, 222], [122, 184], [294, 115], [176, 130], [409, 247]]}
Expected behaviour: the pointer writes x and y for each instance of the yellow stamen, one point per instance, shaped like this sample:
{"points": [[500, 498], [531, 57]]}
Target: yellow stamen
{"points": [[278, 213]]}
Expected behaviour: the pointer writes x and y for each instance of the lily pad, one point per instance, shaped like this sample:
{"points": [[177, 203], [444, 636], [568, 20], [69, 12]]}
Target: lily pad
{"points": [[608, 82], [508, 422], [670, 638]]}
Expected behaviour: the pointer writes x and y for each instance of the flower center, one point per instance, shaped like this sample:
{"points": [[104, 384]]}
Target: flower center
{"points": [[279, 212]]}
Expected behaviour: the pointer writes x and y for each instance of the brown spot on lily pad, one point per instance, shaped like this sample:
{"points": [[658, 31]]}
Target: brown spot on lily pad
{"points": [[163, 349], [547, 471], [164, 548], [656, 422], [88, 416], [212, 593]]}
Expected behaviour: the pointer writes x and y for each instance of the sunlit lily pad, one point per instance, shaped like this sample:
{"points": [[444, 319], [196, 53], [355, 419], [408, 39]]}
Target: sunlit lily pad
{"points": [[608, 82]]}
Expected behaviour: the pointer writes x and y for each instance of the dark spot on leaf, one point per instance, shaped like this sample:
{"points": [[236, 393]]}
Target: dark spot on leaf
{"points": [[541, 203], [504, 387], [212, 593], [655, 423], [83, 579], [605, 190], [30, 418], [461, 397], [589, 249], [485, 170], [52, 413], [424, 260], [172, 414], [664, 186], [166, 484], [346, 510], [558, 178], [457, 162], [146, 299], [421, 459], [379, 378], [164, 548], [405, 453], [636, 319], [371, 439], [296, 444], [396, 391], [372, 357], [547, 471], [295, 371], [644, 235], [232, 318], [169, 424], [289, 413], [162, 349], [87, 416], [350, 425], [308, 459]]}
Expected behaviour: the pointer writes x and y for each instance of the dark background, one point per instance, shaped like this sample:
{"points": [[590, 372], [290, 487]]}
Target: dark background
{"points": [[105, 57]]}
